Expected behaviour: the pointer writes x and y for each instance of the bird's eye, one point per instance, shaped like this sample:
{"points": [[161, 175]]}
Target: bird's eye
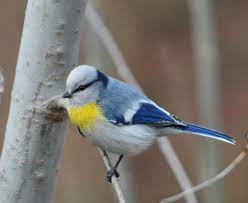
{"points": [[81, 88]]}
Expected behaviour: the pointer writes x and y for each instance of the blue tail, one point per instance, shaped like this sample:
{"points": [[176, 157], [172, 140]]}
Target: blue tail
{"points": [[198, 130]]}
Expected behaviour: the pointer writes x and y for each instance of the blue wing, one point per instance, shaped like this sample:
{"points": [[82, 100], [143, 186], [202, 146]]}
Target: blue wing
{"points": [[151, 114], [119, 107], [148, 113]]}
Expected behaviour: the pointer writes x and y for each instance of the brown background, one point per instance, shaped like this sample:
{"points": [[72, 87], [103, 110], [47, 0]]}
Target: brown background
{"points": [[155, 37]]}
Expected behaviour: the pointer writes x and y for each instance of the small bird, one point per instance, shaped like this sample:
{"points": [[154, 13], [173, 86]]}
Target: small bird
{"points": [[118, 118]]}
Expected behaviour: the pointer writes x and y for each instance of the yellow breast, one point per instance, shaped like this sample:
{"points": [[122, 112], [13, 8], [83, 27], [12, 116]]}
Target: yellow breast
{"points": [[85, 116]]}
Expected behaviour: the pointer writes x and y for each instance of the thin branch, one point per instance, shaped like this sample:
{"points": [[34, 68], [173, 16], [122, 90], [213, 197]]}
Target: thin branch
{"points": [[212, 180], [124, 71], [176, 166], [114, 180], [207, 83], [110, 45], [55, 107]]}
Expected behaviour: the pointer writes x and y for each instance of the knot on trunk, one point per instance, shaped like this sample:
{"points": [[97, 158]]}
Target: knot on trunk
{"points": [[53, 109]]}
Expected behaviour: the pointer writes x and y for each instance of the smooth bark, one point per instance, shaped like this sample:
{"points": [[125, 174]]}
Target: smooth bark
{"points": [[34, 134]]}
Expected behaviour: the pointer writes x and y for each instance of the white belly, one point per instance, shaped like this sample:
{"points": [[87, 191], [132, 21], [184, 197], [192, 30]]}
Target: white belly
{"points": [[126, 139]]}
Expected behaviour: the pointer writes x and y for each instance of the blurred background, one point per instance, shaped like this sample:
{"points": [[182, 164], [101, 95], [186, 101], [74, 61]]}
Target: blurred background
{"points": [[161, 44]]}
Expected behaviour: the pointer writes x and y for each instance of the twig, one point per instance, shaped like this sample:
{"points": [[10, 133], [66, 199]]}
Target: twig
{"points": [[212, 180], [124, 71], [114, 180]]}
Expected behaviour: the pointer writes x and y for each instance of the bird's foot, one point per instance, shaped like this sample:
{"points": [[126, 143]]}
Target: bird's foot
{"points": [[112, 172]]}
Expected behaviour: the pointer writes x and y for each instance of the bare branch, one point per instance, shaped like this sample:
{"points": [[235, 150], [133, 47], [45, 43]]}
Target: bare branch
{"points": [[212, 180], [176, 166], [114, 180], [124, 71], [111, 46], [207, 83]]}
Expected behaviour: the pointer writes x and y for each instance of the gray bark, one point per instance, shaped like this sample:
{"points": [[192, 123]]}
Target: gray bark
{"points": [[34, 136]]}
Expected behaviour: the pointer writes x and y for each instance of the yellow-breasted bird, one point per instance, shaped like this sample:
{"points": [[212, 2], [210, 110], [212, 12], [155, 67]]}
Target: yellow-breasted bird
{"points": [[119, 118]]}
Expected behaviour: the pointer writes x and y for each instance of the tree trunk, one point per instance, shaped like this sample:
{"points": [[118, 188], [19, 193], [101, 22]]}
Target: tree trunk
{"points": [[33, 139]]}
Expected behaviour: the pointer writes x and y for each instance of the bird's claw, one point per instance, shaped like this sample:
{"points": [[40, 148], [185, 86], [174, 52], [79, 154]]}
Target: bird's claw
{"points": [[112, 172]]}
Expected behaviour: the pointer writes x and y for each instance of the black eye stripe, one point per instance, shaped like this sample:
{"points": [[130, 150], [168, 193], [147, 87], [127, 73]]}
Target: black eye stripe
{"points": [[83, 87]]}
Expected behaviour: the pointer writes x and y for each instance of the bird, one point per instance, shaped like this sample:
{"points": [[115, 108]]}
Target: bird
{"points": [[118, 118]]}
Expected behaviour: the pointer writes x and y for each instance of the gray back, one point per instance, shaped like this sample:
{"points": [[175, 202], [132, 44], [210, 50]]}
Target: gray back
{"points": [[118, 97]]}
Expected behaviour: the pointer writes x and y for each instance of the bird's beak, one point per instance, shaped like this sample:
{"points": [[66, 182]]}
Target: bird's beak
{"points": [[67, 95]]}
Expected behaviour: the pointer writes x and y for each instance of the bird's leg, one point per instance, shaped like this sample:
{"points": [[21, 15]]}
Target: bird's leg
{"points": [[106, 155], [113, 170], [80, 132]]}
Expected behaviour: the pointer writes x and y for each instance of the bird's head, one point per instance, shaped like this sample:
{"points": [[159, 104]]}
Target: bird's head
{"points": [[83, 85]]}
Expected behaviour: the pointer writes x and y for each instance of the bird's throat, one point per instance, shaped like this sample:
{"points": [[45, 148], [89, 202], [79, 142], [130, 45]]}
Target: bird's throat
{"points": [[85, 116]]}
